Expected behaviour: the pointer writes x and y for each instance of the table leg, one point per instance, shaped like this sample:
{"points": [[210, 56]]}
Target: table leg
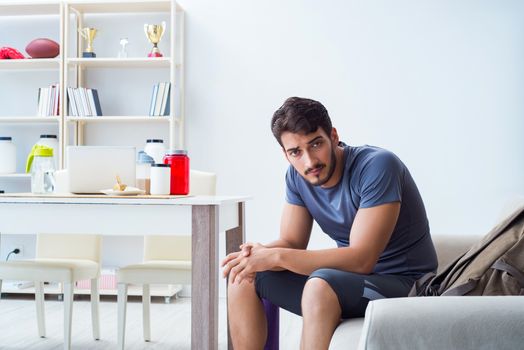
{"points": [[204, 284], [234, 238]]}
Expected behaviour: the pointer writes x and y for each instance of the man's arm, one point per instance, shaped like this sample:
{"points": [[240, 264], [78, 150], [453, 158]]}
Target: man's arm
{"points": [[295, 228], [370, 233]]}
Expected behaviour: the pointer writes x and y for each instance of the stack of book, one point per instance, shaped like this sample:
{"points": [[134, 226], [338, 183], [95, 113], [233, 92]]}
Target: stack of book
{"points": [[160, 99], [49, 100], [83, 102]]}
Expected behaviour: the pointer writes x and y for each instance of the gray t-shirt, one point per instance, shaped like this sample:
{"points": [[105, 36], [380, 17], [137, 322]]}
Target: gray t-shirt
{"points": [[372, 176]]}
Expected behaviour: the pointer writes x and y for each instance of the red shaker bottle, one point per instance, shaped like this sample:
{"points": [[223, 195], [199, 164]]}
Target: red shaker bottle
{"points": [[179, 162]]}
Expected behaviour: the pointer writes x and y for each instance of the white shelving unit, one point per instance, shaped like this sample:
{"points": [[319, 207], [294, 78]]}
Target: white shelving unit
{"points": [[25, 11], [71, 15], [79, 10], [71, 70]]}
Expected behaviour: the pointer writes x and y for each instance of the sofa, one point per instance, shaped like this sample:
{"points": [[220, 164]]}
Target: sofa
{"points": [[430, 322]]}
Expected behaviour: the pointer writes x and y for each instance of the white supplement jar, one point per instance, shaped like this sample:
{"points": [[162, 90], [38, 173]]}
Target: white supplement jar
{"points": [[160, 178]]}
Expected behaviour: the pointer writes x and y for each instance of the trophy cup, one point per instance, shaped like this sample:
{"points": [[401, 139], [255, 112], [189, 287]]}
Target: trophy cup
{"points": [[154, 33], [89, 35]]}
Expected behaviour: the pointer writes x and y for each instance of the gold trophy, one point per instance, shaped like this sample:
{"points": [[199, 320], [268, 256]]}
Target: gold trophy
{"points": [[89, 35], [154, 33]]}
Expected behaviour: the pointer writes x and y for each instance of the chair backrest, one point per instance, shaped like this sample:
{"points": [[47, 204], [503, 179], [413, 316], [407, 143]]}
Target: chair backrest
{"points": [[179, 247], [202, 183], [68, 246]]}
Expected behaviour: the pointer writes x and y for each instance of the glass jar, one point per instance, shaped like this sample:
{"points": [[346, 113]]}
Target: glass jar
{"points": [[179, 162]]}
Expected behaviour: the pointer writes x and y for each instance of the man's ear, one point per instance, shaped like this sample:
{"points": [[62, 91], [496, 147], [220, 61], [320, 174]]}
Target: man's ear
{"points": [[334, 136]]}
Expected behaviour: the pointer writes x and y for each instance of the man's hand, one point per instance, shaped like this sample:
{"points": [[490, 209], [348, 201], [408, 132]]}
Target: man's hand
{"points": [[244, 265]]}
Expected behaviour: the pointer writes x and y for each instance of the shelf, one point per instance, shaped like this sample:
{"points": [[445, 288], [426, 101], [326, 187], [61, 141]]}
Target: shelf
{"points": [[133, 62], [30, 63], [116, 6], [15, 176], [50, 119], [26, 8], [103, 119]]}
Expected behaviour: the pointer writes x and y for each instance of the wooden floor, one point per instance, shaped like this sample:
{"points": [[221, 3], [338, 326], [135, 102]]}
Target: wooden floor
{"points": [[170, 325]]}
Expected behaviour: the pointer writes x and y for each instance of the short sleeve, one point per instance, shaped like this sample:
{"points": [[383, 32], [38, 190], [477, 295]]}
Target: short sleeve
{"points": [[381, 180], [292, 194]]}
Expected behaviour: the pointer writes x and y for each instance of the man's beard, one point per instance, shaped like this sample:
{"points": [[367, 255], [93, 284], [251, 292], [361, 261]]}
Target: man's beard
{"points": [[320, 165]]}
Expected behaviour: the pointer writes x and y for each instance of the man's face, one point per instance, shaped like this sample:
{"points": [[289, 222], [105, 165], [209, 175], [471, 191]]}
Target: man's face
{"points": [[312, 155]]}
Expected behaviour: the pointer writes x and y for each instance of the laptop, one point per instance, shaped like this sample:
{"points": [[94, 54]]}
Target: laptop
{"points": [[94, 168]]}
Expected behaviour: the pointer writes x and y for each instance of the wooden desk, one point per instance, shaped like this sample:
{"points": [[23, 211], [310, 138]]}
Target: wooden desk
{"points": [[203, 216]]}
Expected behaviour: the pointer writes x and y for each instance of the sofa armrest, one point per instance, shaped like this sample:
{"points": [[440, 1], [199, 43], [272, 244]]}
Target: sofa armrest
{"points": [[463, 322]]}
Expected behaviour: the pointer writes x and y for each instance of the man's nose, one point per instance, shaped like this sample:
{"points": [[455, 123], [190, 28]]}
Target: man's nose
{"points": [[308, 160]]}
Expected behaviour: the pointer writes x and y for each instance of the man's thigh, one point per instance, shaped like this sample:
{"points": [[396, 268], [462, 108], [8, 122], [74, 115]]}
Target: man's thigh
{"points": [[354, 291]]}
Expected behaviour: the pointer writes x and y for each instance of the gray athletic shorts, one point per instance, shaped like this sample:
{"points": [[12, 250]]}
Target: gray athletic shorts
{"points": [[354, 291]]}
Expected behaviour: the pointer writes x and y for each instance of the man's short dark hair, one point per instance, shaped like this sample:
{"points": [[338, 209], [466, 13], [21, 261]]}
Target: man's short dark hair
{"points": [[300, 116]]}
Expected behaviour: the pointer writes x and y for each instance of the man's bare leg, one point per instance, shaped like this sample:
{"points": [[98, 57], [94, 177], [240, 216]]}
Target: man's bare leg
{"points": [[321, 314], [247, 321]]}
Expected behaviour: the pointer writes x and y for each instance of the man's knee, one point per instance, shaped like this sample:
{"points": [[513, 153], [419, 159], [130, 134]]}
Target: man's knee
{"points": [[318, 298], [235, 290]]}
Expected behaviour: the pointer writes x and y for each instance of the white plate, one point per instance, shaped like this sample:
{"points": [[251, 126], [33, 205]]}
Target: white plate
{"points": [[129, 191]]}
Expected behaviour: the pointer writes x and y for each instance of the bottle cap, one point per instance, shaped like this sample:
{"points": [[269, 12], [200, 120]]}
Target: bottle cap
{"points": [[176, 152]]}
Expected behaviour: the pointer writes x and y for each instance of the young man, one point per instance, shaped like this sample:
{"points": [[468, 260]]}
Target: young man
{"points": [[365, 199]]}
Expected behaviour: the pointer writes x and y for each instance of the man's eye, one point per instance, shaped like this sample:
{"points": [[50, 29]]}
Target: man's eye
{"points": [[316, 144], [294, 153]]}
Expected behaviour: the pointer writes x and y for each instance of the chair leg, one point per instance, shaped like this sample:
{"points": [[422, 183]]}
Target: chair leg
{"points": [[40, 314], [68, 314], [95, 308], [122, 304], [146, 302]]}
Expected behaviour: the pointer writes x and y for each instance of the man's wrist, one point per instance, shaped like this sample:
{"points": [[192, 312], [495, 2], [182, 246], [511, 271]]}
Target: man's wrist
{"points": [[278, 257]]}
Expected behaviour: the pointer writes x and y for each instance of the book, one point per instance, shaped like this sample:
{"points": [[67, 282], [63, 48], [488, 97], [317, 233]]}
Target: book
{"points": [[153, 100], [85, 101], [56, 103], [39, 109], [96, 100], [160, 95], [165, 99], [78, 100], [51, 100], [73, 111], [91, 101]]}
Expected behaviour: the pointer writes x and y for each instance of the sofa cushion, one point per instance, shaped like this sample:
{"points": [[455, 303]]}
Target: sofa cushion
{"points": [[464, 322], [347, 334]]}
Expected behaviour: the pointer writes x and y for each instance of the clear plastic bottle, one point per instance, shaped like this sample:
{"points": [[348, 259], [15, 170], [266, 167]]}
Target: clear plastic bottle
{"points": [[41, 164], [50, 141]]}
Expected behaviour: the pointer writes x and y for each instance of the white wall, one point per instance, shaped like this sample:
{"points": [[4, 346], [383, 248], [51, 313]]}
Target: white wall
{"points": [[437, 82]]}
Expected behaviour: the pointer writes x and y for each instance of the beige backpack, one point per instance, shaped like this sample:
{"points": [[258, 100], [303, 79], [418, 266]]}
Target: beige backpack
{"points": [[493, 266]]}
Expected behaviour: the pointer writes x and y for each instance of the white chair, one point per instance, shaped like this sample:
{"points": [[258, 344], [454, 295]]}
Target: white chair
{"points": [[167, 260], [65, 259]]}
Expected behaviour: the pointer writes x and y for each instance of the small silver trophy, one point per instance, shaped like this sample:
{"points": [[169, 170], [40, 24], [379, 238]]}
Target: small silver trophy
{"points": [[123, 50]]}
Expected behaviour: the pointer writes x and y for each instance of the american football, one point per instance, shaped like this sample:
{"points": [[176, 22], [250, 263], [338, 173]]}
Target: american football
{"points": [[42, 48]]}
